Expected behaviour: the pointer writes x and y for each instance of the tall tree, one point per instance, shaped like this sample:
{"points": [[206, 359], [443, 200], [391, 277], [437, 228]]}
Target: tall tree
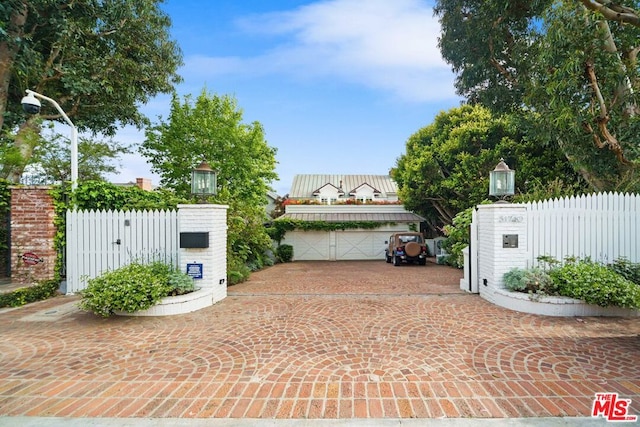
{"points": [[445, 169], [572, 62], [99, 59], [585, 91], [52, 159], [212, 129], [489, 44]]}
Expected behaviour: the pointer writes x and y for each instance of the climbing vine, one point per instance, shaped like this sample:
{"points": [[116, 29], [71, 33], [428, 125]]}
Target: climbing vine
{"points": [[5, 206], [100, 195], [280, 227]]}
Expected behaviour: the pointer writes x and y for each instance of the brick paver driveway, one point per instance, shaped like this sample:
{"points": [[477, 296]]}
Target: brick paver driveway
{"points": [[318, 340]]}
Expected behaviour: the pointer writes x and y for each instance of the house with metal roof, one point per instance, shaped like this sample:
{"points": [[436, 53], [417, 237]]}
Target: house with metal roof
{"points": [[343, 187], [349, 200]]}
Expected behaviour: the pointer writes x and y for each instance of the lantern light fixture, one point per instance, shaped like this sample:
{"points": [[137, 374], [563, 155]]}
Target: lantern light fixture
{"points": [[203, 180], [502, 181]]}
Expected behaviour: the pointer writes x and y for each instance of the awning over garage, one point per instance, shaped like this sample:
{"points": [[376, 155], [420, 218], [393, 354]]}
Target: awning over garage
{"points": [[390, 217]]}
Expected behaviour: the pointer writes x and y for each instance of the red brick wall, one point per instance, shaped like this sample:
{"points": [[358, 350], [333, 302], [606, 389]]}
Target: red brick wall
{"points": [[32, 231]]}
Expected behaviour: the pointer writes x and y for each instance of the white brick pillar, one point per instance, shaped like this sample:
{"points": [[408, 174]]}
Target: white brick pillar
{"points": [[499, 225], [211, 219]]}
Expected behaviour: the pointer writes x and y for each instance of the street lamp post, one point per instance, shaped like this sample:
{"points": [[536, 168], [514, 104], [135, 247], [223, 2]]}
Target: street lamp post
{"points": [[31, 105]]}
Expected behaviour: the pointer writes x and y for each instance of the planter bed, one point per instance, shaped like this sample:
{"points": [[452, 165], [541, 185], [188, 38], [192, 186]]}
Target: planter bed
{"points": [[556, 305], [179, 304]]}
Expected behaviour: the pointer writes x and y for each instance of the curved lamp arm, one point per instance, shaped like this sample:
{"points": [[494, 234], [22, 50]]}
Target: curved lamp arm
{"points": [[74, 137]]}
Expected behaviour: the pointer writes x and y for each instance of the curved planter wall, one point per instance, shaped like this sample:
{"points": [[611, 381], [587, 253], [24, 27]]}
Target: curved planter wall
{"points": [[177, 305], [556, 306]]}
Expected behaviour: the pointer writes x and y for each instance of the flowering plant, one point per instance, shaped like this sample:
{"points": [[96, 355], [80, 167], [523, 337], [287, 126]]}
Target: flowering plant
{"points": [[350, 201]]}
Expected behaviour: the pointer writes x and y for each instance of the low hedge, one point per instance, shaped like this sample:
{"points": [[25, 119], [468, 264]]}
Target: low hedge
{"points": [[21, 296]]}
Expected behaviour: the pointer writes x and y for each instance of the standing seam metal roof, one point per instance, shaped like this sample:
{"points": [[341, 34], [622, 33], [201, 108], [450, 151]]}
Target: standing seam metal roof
{"points": [[304, 185]]}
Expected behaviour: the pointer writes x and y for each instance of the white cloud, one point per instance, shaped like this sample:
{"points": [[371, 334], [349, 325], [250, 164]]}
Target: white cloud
{"points": [[382, 44]]}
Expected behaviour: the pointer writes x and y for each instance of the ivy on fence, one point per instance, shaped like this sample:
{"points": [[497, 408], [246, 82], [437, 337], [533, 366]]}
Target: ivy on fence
{"points": [[5, 206], [100, 195]]}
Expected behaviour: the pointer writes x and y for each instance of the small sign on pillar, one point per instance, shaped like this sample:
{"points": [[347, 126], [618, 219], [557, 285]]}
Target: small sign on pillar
{"points": [[194, 270]]}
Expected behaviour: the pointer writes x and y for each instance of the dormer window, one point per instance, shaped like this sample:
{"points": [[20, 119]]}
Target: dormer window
{"points": [[364, 192], [328, 192]]}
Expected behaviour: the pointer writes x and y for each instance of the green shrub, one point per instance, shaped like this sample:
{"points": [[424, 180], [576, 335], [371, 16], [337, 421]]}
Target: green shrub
{"points": [[533, 280], [180, 283], [284, 253], [238, 275], [158, 268], [22, 296], [595, 284], [255, 264], [514, 279], [130, 288], [458, 238], [237, 272], [627, 269], [268, 262]]}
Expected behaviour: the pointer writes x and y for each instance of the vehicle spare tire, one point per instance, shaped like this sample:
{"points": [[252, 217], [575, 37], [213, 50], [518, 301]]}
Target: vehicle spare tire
{"points": [[412, 249]]}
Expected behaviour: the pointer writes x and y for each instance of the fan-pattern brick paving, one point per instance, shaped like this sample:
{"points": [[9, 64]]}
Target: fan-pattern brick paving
{"points": [[318, 340]]}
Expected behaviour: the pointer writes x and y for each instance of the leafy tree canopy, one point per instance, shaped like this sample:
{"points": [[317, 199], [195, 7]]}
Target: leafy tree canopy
{"points": [[571, 63], [211, 129], [446, 165], [489, 45], [587, 97], [100, 60]]}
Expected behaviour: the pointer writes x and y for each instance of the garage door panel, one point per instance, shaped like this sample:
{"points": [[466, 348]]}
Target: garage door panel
{"points": [[360, 245], [308, 245]]}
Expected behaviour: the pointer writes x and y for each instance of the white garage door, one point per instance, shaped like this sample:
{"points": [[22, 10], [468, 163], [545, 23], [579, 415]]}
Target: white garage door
{"points": [[352, 245], [308, 245], [337, 245]]}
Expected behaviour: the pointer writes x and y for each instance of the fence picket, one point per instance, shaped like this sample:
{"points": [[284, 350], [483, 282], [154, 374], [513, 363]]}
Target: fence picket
{"points": [[603, 226], [93, 236]]}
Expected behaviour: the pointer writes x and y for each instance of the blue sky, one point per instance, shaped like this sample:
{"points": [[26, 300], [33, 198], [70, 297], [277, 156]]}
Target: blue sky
{"points": [[339, 85]]}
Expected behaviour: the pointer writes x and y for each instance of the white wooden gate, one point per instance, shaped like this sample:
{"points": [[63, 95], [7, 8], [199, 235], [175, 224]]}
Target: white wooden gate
{"points": [[98, 241]]}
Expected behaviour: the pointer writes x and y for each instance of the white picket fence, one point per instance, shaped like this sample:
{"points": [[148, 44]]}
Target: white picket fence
{"points": [[603, 226], [99, 241]]}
